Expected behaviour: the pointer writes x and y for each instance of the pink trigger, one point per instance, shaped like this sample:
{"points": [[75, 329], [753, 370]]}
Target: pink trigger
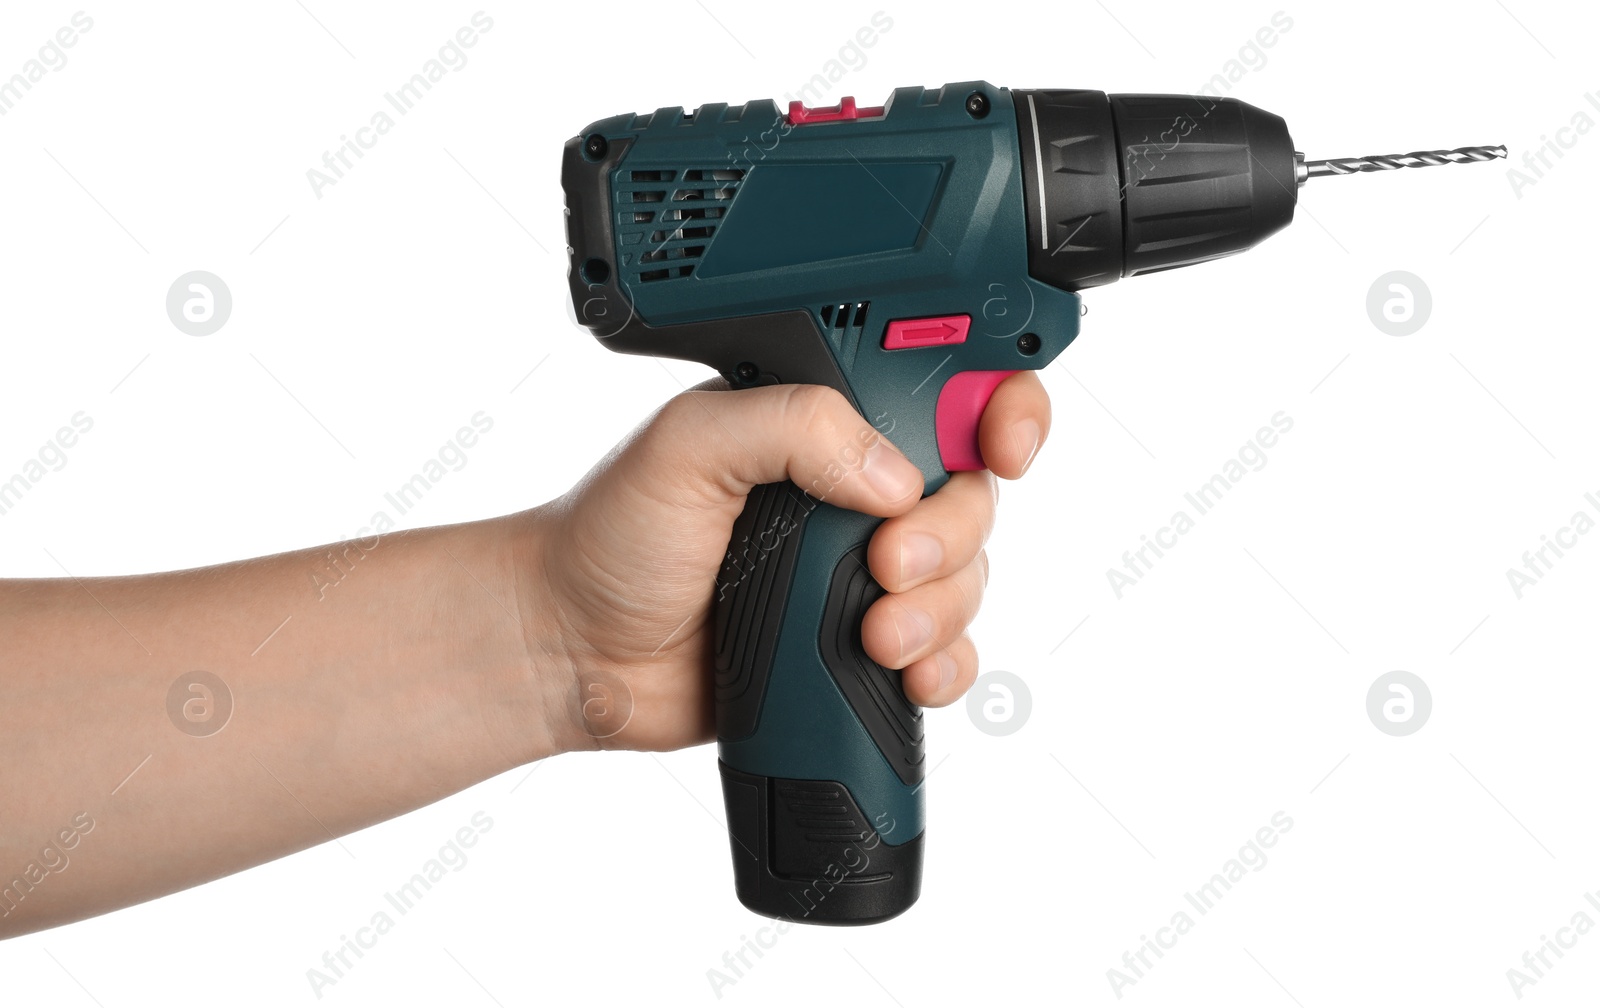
{"points": [[961, 405]]}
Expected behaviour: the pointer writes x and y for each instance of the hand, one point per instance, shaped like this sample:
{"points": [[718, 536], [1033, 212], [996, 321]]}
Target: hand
{"points": [[444, 656], [619, 574]]}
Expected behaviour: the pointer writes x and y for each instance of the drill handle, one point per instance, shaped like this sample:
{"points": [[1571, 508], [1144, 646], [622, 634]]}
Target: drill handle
{"points": [[822, 755]]}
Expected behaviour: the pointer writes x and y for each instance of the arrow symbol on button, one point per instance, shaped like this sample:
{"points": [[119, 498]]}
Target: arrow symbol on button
{"points": [[941, 331]]}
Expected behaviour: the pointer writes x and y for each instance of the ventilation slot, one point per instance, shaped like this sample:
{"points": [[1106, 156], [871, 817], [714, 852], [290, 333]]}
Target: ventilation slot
{"points": [[692, 213], [666, 274], [682, 232], [843, 317], [675, 252], [665, 243]]}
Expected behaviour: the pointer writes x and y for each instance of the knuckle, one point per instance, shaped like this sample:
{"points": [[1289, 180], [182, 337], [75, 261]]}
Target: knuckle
{"points": [[972, 590], [961, 605], [808, 406], [679, 411]]}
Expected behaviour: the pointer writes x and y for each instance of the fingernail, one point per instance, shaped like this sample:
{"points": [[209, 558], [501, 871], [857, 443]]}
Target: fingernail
{"points": [[920, 554], [947, 669], [890, 473], [1026, 434], [912, 627]]}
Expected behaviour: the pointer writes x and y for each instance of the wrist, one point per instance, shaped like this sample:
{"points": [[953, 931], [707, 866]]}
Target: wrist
{"points": [[519, 679], [550, 679]]}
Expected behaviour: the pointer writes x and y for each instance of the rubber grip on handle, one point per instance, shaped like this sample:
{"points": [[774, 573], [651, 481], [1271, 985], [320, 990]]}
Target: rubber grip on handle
{"points": [[821, 753]]}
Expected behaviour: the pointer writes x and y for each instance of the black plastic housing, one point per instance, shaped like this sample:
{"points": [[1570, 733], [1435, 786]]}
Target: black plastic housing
{"points": [[804, 851], [1121, 185]]}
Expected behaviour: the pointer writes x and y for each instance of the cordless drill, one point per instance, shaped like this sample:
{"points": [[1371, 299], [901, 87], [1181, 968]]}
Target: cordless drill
{"points": [[910, 256]]}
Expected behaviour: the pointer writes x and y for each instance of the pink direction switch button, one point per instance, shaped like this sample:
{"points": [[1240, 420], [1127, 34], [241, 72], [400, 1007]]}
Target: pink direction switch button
{"points": [[942, 330]]}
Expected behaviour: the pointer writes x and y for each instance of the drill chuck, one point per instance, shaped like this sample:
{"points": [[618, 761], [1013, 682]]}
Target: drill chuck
{"points": [[1120, 185]]}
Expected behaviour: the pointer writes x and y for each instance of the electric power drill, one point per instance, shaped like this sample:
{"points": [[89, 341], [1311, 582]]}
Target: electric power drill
{"points": [[910, 256]]}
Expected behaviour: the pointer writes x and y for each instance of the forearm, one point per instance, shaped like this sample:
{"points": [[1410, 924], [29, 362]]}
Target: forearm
{"points": [[364, 682]]}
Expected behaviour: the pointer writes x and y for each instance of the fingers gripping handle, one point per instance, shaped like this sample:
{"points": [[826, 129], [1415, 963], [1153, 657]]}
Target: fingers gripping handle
{"points": [[821, 753]]}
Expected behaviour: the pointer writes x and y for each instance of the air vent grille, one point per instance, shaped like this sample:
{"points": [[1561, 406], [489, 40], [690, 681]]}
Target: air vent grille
{"points": [[666, 219]]}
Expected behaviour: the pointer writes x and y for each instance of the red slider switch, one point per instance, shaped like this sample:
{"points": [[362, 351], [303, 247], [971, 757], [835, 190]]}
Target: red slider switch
{"points": [[799, 115]]}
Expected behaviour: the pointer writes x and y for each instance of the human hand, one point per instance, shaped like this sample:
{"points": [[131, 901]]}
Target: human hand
{"points": [[451, 654], [618, 577]]}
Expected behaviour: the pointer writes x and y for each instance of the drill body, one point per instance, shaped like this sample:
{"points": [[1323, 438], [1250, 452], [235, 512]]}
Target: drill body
{"points": [[880, 253], [910, 256]]}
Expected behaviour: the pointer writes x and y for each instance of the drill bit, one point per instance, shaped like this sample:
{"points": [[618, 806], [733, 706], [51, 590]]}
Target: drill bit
{"points": [[1388, 162]]}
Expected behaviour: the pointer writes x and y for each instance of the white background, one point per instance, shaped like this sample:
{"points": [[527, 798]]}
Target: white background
{"points": [[1229, 684]]}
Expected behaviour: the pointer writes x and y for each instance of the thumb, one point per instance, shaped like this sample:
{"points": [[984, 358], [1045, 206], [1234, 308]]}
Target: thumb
{"points": [[719, 444]]}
